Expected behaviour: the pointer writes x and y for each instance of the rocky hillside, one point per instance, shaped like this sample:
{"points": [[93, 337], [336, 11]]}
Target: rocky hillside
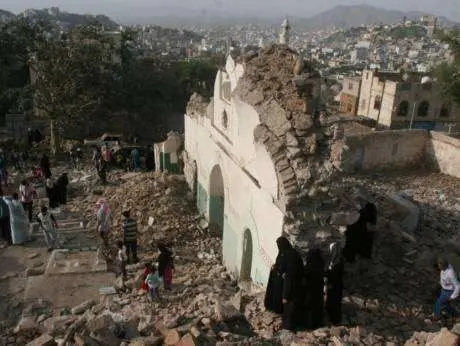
{"points": [[60, 18]]}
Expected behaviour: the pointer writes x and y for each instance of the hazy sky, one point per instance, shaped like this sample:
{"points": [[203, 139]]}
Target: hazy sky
{"points": [[301, 8]]}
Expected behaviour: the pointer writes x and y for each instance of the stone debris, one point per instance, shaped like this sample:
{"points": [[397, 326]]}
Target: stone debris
{"points": [[206, 305]]}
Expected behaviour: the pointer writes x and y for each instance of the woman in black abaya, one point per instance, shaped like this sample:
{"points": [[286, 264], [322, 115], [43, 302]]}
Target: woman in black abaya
{"points": [[334, 284], [292, 291], [274, 294], [314, 290], [284, 290], [359, 240]]}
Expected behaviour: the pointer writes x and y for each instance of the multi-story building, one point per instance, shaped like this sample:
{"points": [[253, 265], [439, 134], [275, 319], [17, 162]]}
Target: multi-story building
{"points": [[349, 96], [397, 101]]}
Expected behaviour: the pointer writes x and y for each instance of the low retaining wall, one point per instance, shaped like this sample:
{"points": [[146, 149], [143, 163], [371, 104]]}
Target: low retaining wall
{"points": [[444, 153], [381, 150]]}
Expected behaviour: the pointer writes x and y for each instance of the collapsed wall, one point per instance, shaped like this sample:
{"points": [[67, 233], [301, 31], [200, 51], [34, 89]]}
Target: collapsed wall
{"points": [[284, 91], [311, 152]]}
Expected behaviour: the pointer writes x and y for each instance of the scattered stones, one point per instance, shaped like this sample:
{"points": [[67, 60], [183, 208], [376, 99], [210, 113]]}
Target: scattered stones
{"points": [[79, 309], [44, 340], [172, 337], [34, 272]]}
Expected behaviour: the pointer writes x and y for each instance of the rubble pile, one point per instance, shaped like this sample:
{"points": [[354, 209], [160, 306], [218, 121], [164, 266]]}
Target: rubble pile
{"points": [[159, 202], [445, 337]]}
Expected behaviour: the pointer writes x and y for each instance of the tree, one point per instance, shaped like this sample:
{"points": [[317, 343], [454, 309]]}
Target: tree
{"points": [[18, 39], [70, 77], [448, 73]]}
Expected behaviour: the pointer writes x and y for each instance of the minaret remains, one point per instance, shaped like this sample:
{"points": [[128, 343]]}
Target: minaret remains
{"points": [[285, 32]]}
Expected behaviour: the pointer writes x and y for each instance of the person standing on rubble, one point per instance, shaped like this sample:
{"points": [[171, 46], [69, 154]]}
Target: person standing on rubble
{"points": [[49, 225], [165, 265], [359, 240], [136, 159], [284, 289], [27, 194], [122, 258], [45, 165], [50, 189], [150, 159], [96, 159], [103, 221], [334, 285], [450, 289], [61, 188], [130, 237], [274, 294], [153, 281], [314, 290], [292, 290]]}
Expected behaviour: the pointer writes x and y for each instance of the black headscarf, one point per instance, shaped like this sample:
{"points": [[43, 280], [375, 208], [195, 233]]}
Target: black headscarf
{"points": [[283, 244]]}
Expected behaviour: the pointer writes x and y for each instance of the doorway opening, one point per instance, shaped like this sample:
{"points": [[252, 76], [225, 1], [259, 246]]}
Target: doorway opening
{"points": [[246, 261], [216, 201]]}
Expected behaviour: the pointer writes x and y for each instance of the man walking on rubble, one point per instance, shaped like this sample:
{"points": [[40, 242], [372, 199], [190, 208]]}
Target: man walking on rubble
{"points": [[103, 221], [130, 237], [450, 289], [49, 225]]}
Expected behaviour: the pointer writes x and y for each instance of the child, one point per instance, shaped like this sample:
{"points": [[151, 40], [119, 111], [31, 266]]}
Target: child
{"points": [[165, 265], [147, 271], [153, 281], [122, 258], [48, 224]]}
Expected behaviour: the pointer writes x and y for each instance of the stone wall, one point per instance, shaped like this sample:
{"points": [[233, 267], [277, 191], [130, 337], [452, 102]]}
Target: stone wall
{"points": [[381, 150], [444, 152]]}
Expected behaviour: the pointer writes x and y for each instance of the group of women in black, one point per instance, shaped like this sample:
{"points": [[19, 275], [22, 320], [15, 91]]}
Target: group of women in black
{"points": [[301, 293]]}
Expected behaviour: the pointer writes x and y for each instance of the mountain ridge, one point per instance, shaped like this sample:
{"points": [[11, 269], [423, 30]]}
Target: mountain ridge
{"points": [[58, 17]]}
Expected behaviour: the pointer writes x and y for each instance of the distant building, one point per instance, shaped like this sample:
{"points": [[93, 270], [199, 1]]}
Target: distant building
{"points": [[361, 52], [396, 99], [349, 96], [430, 22]]}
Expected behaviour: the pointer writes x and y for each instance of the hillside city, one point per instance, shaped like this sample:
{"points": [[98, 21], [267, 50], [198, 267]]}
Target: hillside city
{"points": [[230, 182]]}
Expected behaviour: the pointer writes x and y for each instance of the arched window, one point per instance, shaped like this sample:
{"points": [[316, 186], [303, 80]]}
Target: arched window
{"points": [[403, 108], [423, 109], [445, 112]]}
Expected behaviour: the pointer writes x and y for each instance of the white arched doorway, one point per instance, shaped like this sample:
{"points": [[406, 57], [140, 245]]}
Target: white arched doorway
{"points": [[216, 201], [246, 260]]}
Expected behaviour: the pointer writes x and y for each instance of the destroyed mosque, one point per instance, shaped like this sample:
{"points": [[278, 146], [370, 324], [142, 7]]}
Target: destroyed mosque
{"points": [[261, 165]]}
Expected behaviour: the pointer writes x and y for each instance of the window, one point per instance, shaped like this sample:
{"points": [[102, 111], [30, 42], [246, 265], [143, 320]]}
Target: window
{"points": [[226, 91], [367, 75], [350, 86], [403, 108], [224, 119], [377, 102], [445, 112], [423, 109]]}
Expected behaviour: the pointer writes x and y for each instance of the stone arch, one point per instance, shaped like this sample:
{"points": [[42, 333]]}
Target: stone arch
{"points": [[216, 200], [287, 181], [423, 109], [247, 256]]}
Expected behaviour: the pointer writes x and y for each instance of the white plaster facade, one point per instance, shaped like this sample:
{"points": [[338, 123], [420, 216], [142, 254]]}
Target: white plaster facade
{"points": [[224, 138]]}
